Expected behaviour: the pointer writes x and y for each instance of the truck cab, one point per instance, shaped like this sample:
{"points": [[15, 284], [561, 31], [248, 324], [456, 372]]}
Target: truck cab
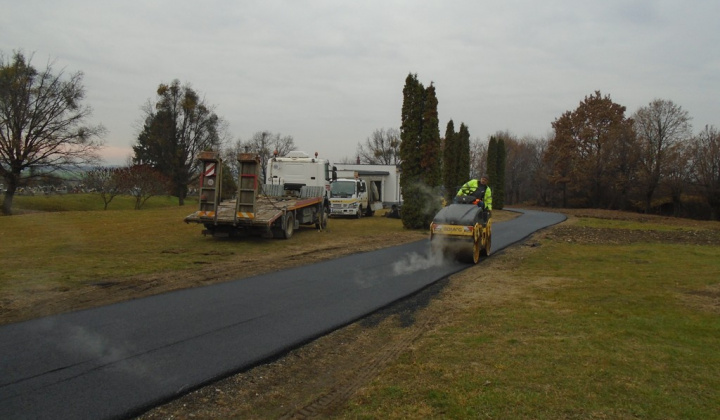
{"points": [[352, 196], [297, 169]]}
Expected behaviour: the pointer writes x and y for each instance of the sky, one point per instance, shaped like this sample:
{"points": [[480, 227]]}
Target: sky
{"points": [[331, 72]]}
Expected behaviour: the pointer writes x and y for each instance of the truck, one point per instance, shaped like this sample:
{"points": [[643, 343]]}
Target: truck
{"points": [[296, 192], [352, 196]]}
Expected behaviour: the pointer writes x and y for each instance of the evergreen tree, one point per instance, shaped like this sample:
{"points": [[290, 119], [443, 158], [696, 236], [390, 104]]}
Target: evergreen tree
{"points": [[497, 183], [456, 159], [177, 127], [431, 144], [463, 161], [492, 160], [450, 160], [420, 152]]}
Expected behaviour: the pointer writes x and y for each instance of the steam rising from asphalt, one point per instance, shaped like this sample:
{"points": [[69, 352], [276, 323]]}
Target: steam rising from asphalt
{"points": [[96, 349], [414, 262]]}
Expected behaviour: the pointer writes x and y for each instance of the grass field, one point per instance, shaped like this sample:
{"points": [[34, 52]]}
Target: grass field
{"points": [[583, 331]]}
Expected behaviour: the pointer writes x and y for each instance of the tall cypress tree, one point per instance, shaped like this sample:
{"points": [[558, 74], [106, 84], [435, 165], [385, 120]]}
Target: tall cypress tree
{"points": [[498, 184], [450, 160], [463, 160], [420, 151], [431, 144], [492, 160], [410, 152]]}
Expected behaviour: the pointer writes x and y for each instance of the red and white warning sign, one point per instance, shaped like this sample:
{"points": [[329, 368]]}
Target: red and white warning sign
{"points": [[210, 169]]}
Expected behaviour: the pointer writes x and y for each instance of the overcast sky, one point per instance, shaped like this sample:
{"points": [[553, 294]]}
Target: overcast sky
{"points": [[331, 72]]}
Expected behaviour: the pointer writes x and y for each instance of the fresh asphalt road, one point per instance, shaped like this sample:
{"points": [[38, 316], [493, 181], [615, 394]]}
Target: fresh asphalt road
{"points": [[117, 361]]}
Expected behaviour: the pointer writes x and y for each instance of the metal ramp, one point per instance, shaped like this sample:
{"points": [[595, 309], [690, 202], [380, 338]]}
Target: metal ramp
{"points": [[248, 174], [210, 185]]}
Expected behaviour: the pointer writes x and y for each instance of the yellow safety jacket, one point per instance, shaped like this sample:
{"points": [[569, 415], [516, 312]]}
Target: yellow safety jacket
{"points": [[470, 187]]}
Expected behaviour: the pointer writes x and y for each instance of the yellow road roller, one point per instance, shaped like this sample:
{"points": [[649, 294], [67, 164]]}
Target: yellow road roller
{"points": [[462, 231]]}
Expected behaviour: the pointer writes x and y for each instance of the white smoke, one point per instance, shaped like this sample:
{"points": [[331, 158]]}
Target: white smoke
{"points": [[414, 262]]}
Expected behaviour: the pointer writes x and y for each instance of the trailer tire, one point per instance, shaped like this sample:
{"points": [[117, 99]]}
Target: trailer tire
{"points": [[288, 226]]}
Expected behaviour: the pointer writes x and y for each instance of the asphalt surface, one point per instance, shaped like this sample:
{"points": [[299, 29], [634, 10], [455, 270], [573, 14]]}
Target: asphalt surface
{"points": [[119, 360]]}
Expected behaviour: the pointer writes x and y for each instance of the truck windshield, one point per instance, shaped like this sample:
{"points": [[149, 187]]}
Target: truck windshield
{"points": [[342, 188]]}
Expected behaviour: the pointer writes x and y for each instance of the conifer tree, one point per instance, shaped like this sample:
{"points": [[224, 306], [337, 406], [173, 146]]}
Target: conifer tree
{"points": [[492, 159], [420, 152], [449, 160], [498, 180], [463, 161]]}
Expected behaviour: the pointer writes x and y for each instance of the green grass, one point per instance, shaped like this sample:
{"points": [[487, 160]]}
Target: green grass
{"points": [[597, 332], [66, 249], [84, 202], [630, 225]]}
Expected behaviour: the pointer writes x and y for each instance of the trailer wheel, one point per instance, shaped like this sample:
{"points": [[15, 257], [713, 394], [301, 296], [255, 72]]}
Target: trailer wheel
{"points": [[288, 226]]}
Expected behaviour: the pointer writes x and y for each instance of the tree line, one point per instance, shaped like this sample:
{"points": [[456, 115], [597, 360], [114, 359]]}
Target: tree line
{"points": [[596, 156]]}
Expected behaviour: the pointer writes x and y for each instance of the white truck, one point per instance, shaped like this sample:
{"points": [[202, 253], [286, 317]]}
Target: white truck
{"points": [[352, 196], [296, 192]]}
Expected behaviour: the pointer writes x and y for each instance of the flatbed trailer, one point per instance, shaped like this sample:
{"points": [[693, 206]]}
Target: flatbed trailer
{"points": [[269, 210]]}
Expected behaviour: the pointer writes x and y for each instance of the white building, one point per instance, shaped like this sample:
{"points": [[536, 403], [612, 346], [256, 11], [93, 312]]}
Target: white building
{"points": [[385, 177]]}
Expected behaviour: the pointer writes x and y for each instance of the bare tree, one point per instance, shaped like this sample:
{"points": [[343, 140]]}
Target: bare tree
{"points": [[381, 148], [143, 182], [521, 154], [42, 123], [266, 145], [706, 158], [106, 182], [659, 126], [478, 158]]}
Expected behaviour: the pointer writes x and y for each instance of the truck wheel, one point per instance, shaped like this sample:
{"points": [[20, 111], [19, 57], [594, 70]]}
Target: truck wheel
{"points": [[359, 213], [288, 226]]}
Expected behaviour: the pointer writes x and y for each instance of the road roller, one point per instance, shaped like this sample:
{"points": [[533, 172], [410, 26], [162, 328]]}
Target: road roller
{"points": [[462, 230]]}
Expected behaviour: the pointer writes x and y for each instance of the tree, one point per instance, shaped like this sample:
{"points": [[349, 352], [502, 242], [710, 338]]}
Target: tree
{"points": [[178, 126], [478, 158], [496, 169], [106, 182], [265, 144], [381, 148], [706, 158], [582, 148], [42, 123], [143, 182], [492, 159], [499, 183], [520, 169], [659, 125], [420, 154], [449, 167], [456, 159]]}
